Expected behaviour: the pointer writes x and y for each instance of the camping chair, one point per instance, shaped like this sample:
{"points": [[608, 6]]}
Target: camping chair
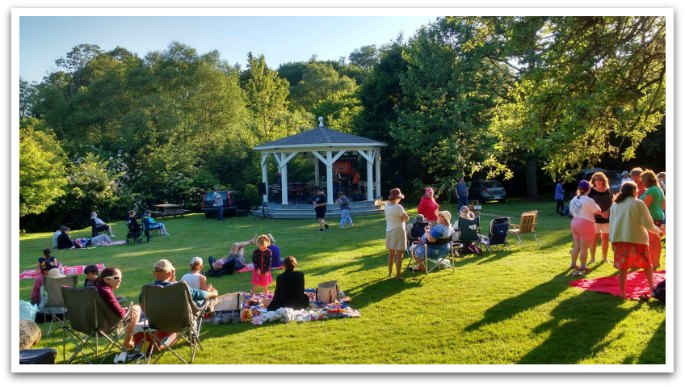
{"points": [[90, 317], [416, 231], [171, 309], [529, 221], [469, 232], [499, 228], [446, 260], [54, 303], [95, 230], [148, 228], [135, 232]]}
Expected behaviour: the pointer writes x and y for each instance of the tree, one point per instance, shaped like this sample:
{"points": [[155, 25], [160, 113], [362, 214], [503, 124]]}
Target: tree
{"points": [[42, 165], [365, 57], [597, 89]]}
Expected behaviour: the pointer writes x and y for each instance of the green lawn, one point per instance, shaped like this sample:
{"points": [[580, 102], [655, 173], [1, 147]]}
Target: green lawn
{"points": [[508, 307]]}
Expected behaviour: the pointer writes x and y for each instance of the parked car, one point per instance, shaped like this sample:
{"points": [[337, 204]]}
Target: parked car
{"points": [[613, 176], [487, 190], [234, 203]]}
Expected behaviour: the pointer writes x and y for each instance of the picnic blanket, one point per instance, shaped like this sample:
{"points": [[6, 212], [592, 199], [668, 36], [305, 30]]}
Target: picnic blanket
{"points": [[316, 311], [636, 284], [66, 270], [250, 267]]}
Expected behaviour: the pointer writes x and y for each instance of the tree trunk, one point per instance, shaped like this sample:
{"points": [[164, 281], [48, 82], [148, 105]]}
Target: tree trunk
{"points": [[531, 178]]}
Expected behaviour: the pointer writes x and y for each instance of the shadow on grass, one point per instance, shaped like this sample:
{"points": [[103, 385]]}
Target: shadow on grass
{"points": [[377, 290], [538, 295], [656, 345], [576, 329]]}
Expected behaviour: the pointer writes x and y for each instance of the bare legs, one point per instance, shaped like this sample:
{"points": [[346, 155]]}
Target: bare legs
{"points": [[135, 317], [605, 247], [623, 275], [580, 249], [395, 259]]}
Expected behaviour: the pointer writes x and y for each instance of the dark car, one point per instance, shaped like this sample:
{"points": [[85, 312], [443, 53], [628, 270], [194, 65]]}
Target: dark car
{"points": [[234, 203], [613, 176], [487, 190]]}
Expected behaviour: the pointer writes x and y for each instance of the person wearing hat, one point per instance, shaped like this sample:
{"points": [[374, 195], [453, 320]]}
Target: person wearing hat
{"points": [[625, 176], [583, 210], [428, 207], [416, 230], [320, 208], [395, 235], [442, 229], [165, 275], [196, 280]]}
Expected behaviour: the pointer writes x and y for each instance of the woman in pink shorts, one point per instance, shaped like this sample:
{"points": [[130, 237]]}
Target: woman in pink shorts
{"points": [[583, 210]]}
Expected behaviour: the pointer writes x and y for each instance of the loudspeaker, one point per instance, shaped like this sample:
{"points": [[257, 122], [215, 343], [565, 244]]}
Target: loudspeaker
{"points": [[262, 189]]}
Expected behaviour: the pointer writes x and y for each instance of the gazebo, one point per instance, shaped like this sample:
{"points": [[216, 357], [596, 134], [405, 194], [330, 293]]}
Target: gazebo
{"points": [[328, 146]]}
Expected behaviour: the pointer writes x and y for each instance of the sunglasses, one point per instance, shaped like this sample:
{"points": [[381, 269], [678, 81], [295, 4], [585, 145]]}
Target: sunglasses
{"points": [[113, 278]]}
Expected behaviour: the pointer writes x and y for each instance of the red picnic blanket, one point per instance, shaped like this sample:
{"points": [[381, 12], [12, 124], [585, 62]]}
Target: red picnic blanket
{"points": [[636, 284], [66, 270]]}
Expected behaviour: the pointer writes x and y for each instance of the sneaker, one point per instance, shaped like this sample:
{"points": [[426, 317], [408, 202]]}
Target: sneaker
{"points": [[320, 229], [326, 226]]}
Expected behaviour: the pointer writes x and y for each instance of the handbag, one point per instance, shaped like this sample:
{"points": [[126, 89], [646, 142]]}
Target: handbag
{"points": [[230, 302], [327, 292]]}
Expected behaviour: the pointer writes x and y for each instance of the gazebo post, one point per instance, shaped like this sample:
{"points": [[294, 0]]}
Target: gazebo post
{"points": [[329, 176], [369, 176], [265, 178], [378, 173], [316, 171]]}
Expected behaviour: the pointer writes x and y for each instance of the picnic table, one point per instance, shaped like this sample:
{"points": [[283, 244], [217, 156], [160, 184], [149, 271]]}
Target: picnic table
{"points": [[168, 209]]}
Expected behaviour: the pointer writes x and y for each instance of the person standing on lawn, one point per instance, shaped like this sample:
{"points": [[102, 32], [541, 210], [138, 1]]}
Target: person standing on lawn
{"points": [[462, 193], [583, 210], [428, 207], [345, 210], [261, 259], [602, 194], [395, 234], [629, 226], [656, 203], [320, 208], [559, 197], [219, 204]]}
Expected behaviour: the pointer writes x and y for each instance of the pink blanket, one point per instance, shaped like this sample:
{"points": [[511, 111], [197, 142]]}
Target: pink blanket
{"points": [[66, 270], [636, 284]]}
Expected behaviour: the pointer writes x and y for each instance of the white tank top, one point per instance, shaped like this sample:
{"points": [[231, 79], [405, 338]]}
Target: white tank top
{"points": [[192, 279]]}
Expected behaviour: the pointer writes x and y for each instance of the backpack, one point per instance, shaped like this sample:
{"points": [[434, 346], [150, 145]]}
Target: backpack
{"points": [[659, 291], [327, 292]]}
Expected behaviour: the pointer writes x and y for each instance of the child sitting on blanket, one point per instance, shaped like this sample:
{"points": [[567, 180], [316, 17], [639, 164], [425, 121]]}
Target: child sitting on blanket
{"points": [[45, 263], [261, 259], [91, 272]]}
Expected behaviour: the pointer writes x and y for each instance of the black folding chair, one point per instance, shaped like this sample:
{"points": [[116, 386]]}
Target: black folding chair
{"points": [[54, 303], [90, 318]]}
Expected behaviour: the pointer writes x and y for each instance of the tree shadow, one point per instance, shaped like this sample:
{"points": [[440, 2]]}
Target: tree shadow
{"points": [[374, 291], [656, 345], [579, 314], [538, 295]]}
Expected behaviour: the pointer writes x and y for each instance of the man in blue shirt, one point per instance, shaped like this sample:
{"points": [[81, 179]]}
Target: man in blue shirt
{"points": [[463, 193]]}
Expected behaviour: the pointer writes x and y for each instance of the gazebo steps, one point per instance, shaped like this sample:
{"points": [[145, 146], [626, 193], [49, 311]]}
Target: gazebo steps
{"points": [[306, 211]]}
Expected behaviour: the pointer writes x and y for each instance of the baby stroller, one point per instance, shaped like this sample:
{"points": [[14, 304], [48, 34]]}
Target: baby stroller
{"points": [[499, 228], [135, 232]]}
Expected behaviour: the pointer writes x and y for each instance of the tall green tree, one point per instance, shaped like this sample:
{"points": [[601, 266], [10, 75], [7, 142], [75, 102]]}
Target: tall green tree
{"points": [[596, 90], [42, 168]]}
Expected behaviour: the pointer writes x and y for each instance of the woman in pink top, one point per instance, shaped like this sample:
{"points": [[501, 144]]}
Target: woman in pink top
{"points": [[583, 209], [428, 207]]}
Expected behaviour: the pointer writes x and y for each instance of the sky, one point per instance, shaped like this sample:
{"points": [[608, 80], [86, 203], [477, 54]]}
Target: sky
{"points": [[281, 39]]}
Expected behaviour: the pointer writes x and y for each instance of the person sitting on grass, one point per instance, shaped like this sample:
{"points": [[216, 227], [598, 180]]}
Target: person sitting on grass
{"points": [[65, 242], [289, 291], [107, 282], [235, 259]]}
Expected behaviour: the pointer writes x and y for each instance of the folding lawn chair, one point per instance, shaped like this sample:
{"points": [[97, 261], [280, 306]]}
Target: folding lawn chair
{"points": [[149, 230], [90, 318], [54, 303], [469, 232], [529, 221], [446, 260], [499, 228], [171, 309]]}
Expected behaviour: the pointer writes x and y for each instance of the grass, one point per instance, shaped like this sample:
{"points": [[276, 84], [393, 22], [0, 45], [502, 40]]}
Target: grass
{"points": [[508, 307]]}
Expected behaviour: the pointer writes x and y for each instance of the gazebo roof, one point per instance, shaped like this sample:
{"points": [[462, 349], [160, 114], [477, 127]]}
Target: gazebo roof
{"points": [[320, 137]]}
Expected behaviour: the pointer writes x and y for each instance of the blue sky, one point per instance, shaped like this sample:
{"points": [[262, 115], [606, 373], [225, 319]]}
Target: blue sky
{"points": [[281, 39]]}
